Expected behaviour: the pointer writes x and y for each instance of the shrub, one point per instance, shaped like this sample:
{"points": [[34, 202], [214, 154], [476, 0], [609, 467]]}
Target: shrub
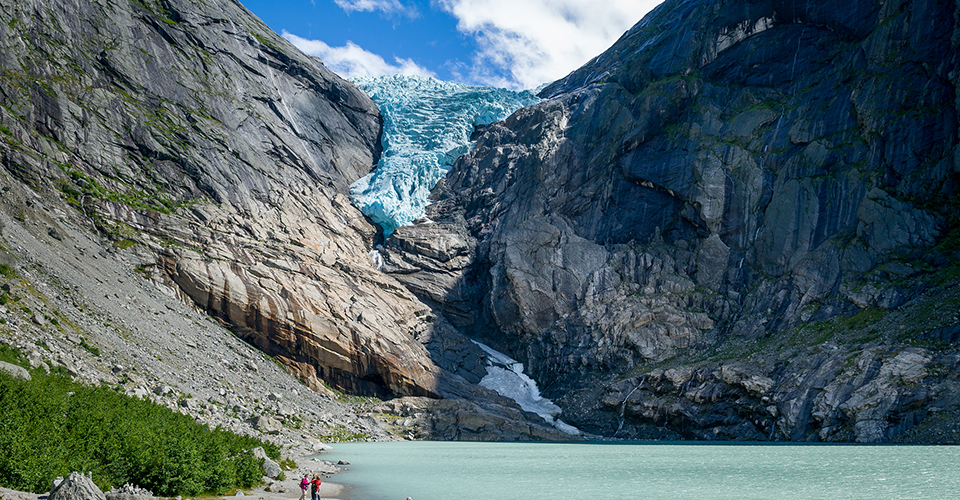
{"points": [[52, 426], [7, 272]]}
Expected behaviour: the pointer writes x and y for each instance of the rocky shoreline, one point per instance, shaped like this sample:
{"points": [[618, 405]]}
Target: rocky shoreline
{"points": [[271, 489]]}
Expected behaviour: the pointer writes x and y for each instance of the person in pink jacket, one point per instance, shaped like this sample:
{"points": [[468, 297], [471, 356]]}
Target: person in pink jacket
{"points": [[304, 484]]}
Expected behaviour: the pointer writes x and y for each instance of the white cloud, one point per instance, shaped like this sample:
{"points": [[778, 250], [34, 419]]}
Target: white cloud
{"points": [[388, 7], [524, 43], [351, 60]]}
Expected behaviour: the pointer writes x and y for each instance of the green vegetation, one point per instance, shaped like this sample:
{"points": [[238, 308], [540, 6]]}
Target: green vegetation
{"points": [[89, 348], [52, 426], [159, 10], [124, 244], [263, 41], [7, 272], [950, 243], [134, 198], [287, 464], [341, 434]]}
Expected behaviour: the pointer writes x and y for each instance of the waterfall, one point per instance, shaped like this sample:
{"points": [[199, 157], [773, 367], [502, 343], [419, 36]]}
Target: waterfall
{"points": [[623, 405]]}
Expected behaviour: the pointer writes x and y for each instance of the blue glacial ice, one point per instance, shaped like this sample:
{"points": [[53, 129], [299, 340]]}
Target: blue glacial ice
{"points": [[505, 375], [427, 126]]}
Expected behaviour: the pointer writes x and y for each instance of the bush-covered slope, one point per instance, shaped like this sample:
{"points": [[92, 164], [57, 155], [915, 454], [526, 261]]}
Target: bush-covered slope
{"points": [[52, 426]]}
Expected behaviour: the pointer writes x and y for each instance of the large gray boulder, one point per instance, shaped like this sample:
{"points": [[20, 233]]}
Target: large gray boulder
{"points": [[76, 486], [271, 469], [14, 370], [266, 424]]}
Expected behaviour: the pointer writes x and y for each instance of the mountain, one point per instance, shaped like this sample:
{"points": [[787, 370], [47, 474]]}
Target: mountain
{"points": [[739, 222], [159, 153]]}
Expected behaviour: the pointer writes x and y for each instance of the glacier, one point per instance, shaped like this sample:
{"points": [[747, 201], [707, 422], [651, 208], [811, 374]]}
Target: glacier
{"points": [[505, 376], [426, 126]]}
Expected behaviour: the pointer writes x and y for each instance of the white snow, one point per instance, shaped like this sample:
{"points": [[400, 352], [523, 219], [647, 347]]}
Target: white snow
{"points": [[505, 375]]}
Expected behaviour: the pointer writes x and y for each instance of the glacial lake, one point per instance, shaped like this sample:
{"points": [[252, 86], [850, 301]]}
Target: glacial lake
{"points": [[602, 471]]}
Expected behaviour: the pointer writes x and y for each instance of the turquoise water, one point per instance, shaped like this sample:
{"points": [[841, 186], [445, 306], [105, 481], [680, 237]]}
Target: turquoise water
{"points": [[533, 471]]}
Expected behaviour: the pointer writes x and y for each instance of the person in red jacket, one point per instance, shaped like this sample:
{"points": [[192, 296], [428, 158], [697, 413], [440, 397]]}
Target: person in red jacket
{"points": [[315, 487]]}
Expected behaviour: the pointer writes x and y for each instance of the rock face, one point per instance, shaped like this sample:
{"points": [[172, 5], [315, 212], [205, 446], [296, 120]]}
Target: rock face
{"points": [[463, 420], [217, 158], [223, 154], [756, 180]]}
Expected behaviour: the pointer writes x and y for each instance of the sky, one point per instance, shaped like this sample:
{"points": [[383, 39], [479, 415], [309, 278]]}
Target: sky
{"points": [[516, 44]]}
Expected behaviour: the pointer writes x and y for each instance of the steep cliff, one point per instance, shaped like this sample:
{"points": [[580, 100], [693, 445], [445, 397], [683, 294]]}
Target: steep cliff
{"points": [[739, 222], [187, 130], [216, 158]]}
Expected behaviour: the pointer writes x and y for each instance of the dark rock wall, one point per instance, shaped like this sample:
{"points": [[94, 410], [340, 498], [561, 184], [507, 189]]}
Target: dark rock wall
{"points": [[725, 174]]}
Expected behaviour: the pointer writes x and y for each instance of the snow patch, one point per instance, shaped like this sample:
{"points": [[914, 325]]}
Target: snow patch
{"points": [[505, 375]]}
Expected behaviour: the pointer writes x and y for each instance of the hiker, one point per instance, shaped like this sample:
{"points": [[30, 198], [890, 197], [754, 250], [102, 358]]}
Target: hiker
{"points": [[315, 487], [304, 484]]}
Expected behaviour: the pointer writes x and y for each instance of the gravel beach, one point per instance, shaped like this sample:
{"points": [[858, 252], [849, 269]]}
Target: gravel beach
{"points": [[287, 489]]}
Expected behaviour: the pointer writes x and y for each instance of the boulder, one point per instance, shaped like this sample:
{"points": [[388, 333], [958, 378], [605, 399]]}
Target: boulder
{"points": [[266, 424], [320, 447], [162, 390], [14, 370], [271, 469], [76, 486]]}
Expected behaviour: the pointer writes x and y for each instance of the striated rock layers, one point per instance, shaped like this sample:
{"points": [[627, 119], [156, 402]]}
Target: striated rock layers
{"points": [[193, 137], [740, 221], [193, 130]]}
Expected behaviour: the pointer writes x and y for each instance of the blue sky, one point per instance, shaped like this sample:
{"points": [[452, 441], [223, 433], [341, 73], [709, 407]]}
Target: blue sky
{"points": [[517, 44]]}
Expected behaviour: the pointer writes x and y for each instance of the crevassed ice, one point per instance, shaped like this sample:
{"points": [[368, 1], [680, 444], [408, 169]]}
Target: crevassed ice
{"points": [[505, 375], [426, 126]]}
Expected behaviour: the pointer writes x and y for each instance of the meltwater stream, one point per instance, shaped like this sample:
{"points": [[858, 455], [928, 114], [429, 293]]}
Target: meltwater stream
{"points": [[426, 126]]}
